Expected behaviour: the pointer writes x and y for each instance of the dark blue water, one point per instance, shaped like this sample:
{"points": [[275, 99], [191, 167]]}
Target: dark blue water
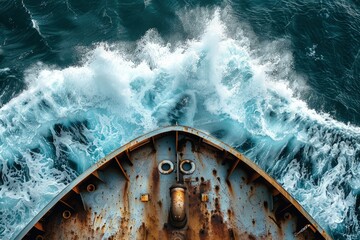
{"points": [[278, 80]]}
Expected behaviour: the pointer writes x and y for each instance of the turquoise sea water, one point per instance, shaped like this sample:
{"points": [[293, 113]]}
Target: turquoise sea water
{"points": [[278, 80]]}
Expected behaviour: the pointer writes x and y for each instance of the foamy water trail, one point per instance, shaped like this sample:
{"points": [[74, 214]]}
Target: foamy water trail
{"points": [[218, 81]]}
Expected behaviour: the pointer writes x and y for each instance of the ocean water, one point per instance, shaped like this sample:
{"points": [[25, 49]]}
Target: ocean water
{"points": [[277, 80]]}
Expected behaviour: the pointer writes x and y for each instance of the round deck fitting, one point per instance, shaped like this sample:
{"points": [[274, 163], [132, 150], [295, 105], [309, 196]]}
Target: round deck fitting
{"points": [[39, 237], [187, 167], [66, 214], [166, 167], [90, 187]]}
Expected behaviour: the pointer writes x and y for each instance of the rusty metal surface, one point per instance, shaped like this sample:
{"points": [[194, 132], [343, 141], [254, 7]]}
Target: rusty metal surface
{"points": [[227, 196]]}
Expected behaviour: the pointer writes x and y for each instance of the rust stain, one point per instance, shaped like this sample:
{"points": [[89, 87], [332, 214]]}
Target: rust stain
{"points": [[123, 231], [266, 205], [217, 204], [205, 186], [79, 224], [228, 183], [205, 224], [219, 229], [231, 234], [217, 188], [151, 228], [198, 222], [230, 214], [142, 232], [251, 237], [155, 181], [125, 194]]}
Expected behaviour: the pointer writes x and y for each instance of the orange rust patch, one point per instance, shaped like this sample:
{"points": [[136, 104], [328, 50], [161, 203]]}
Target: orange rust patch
{"points": [[218, 227]]}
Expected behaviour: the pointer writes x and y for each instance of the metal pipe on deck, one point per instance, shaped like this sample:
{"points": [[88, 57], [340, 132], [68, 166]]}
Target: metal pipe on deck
{"points": [[178, 216]]}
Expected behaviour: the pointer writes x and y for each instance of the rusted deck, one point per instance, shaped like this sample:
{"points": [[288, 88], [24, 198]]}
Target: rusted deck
{"points": [[126, 195]]}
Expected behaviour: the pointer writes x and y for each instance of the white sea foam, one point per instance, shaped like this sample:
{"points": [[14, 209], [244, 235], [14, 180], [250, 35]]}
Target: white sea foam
{"points": [[35, 25], [69, 118]]}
